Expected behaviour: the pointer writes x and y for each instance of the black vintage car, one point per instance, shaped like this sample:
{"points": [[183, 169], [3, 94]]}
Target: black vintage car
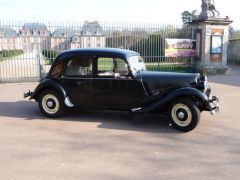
{"points": [[116, 79]]}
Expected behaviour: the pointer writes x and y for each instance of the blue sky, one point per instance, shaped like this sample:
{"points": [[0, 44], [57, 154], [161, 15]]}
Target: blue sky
{"points": [[157, 11]]}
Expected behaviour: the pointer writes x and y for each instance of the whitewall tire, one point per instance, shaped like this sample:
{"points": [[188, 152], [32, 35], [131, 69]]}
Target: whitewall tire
{"points": [[51, 104], [184, 115]]}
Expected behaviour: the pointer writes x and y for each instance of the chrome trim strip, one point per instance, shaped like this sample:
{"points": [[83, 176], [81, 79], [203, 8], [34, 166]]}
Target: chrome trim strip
{"points": [[136, 109], [68, 103], [144, 86]]}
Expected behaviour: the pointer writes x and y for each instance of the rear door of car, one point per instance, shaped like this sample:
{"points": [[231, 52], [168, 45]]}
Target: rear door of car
{"points": [[78, 79]]}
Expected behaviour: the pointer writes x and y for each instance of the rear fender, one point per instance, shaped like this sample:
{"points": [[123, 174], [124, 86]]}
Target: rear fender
{"points": [[52, 84]]}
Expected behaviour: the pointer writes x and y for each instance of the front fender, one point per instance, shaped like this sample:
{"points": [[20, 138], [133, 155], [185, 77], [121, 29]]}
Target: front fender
{"points": [[181, 92]]}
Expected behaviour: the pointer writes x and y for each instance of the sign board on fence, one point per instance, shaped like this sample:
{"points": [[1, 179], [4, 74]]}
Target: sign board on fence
{"points": [[180, 48]]}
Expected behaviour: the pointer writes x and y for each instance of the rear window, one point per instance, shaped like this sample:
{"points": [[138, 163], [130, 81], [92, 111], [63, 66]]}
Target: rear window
{"points": [[79, 66]]}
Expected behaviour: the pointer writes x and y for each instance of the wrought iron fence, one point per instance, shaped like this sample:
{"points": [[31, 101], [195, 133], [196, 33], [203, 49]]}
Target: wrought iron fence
{"points": [[27, 49]]}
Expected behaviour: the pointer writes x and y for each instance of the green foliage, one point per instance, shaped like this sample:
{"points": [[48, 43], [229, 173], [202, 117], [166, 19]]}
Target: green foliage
{"points": [[233, 34], [125, 39], [187, 16], [154, 44], [10, 53], [151, 46], [50, 54]]}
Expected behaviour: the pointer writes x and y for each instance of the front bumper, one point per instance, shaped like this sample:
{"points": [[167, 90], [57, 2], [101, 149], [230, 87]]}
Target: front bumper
{"points": [[213, 101], [214, 105]]}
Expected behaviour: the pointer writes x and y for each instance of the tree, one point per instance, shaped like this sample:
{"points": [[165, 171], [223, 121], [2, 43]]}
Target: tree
{"points": [[187, 16], [234, 34]]}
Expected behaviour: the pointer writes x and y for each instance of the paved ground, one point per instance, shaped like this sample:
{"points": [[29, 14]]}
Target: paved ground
{"points": [[106, 145], [24, 67]]}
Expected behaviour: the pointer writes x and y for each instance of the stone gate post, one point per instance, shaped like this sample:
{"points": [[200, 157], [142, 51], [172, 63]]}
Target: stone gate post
{"points": [[212, 37]]}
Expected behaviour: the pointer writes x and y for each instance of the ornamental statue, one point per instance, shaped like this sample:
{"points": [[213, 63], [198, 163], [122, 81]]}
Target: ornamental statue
{"points": [[208, 9]]}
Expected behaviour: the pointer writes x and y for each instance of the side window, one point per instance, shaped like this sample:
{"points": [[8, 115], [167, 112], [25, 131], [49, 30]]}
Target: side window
{"points": [[79, 66], [105, 67], [112, 67], [121, 67], [57, 71]]}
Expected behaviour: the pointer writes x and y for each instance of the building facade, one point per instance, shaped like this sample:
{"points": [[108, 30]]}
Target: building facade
{"points": [[90, 36], [37, 37], [61, 39], [34, 36], [8, 38]]}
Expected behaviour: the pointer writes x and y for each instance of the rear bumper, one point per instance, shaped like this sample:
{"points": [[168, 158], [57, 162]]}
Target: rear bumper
{"points": [[28, 94]]}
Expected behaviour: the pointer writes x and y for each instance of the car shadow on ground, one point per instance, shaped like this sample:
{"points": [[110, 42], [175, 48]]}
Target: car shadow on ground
{"points": [[153, 122]]}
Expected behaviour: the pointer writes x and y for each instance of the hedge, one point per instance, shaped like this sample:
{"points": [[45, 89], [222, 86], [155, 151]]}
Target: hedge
{"points": [[50, 54], [10, 53]]}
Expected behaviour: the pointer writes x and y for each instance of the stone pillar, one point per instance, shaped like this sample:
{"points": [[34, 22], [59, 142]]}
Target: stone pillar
{"points": [[212, 42]]}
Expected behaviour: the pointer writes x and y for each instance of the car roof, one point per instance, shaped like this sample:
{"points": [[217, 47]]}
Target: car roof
{"points": [[96, 51]]}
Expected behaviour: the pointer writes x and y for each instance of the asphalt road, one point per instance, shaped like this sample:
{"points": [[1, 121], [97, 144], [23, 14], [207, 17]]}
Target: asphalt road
{"points": [[106, 145]]}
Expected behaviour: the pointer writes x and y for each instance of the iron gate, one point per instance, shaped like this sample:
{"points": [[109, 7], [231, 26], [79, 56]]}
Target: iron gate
{"points": [[28, 48]]}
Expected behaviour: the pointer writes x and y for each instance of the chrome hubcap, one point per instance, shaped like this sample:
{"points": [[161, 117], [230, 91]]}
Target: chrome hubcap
{"points": [[50, 104], [181, 115]]}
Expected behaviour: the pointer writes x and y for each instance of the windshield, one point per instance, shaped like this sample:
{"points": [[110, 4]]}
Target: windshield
{"points": [[136, 64]]}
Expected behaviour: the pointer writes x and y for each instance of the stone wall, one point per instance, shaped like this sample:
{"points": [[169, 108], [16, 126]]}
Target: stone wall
{"points": [[234, 51]]}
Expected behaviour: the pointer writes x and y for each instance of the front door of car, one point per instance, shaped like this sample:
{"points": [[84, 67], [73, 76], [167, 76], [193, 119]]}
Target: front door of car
{"points": [[114, 87], [79, 81]]}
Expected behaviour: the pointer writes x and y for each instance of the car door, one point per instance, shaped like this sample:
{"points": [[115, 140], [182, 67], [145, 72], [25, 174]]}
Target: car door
{"points": [[114, 87], [78, 79]]}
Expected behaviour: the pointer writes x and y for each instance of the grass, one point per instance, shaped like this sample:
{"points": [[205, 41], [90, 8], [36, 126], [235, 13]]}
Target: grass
{"points": [[168, 68], [47, 61]]}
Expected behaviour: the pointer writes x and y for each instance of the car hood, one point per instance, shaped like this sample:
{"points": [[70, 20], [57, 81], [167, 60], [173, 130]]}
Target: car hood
{"points": [[160, 82]]}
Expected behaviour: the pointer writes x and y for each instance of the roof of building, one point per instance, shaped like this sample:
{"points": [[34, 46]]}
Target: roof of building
{"points": [[34, 26], [7, 31], [92, 27], [64, 32]]}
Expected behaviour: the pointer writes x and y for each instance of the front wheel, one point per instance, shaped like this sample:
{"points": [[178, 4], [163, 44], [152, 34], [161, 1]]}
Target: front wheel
{"points": [[51, 104], [184, 115]]}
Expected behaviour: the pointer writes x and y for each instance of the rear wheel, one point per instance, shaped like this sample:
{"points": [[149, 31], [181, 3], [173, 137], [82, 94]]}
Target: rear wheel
{"points": [[51, 104], [184, 115]]}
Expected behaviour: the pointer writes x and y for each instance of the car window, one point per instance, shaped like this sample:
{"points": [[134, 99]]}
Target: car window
{"points": [[105, 67], [56, 71], [79, 66], [111, 67], [121, 67]]}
